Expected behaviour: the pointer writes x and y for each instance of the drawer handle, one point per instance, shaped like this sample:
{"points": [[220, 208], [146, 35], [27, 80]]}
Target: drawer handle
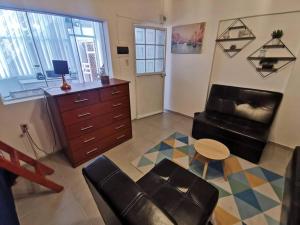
{"points": [[81, 100], [93, 150], [115, 92], [119, 127], [116, 105], [83, 115], [86, 128], [88, 140], [118, 138], [118, 116]]}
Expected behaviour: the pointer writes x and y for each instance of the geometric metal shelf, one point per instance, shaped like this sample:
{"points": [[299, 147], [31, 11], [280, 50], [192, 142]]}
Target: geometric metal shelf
{"points": [[235, 38], [264, 64]]}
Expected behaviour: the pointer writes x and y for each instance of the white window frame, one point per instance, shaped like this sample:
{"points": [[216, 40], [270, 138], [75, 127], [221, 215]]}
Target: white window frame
{"points": [[165, 47]]}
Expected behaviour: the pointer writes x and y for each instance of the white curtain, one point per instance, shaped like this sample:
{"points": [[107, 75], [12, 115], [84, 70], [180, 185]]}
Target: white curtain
{"points": [[17, 55]]}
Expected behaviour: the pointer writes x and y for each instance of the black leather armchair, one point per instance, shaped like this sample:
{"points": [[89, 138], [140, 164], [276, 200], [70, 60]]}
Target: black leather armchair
{"points": [[238, 117], [168, 194], [290, 214]]}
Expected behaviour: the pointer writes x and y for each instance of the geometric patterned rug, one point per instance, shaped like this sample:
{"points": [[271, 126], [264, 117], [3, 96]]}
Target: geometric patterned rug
{"points": [[251, 195]]}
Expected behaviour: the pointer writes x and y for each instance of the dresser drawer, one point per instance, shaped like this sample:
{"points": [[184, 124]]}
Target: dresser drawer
{"points": [[85, 113], [88, 126], [96, 136], [73, 101], [120, 114], [116, 139], [98, 148], [88, 152], [114, 92], [120, 103]]}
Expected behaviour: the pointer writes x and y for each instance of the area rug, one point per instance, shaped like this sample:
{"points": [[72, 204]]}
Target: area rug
{"points": [[251, 196]]}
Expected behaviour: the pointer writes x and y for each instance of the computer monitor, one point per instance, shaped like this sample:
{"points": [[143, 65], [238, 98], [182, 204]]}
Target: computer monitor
{"points": [[60, 66]]}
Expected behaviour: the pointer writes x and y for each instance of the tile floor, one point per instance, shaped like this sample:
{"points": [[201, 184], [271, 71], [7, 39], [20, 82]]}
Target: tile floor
{"points": [[75, 206]]}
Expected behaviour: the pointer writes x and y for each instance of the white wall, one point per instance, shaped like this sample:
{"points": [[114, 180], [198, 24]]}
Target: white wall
{"points": [[188, 76], [114, 12]]}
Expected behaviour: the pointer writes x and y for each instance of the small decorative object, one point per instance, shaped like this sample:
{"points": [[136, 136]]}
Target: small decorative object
{"points": [[232, 47], [40, 76], [188, 39], [103, 77], [276, 36], [244, 33], [61, 67], [262, 52]]}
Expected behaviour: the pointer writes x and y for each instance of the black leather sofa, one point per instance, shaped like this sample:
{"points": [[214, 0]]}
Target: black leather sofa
{"points": [[168, 194], [290, 214], [238, 117]]}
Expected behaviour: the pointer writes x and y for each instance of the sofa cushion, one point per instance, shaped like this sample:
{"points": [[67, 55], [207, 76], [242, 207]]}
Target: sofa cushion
{"points": [[188, 198], [250, 104], [246, 128]]}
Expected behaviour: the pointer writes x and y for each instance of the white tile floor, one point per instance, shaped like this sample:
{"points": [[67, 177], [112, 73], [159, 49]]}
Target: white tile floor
{"points": [[75, 206]]}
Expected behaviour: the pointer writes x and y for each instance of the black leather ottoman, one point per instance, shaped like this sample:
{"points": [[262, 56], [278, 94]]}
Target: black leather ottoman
{"points": [[168, 194]]}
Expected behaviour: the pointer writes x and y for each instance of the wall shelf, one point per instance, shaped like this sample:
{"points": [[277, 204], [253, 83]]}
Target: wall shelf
{"points": [[273, 58], [232, 50], [266, 70], [273, 46], [237, 27], [270, 61], [235, 38]]}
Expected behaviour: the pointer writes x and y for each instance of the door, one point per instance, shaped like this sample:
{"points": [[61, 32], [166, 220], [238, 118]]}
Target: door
{"points": [[150, 69]]}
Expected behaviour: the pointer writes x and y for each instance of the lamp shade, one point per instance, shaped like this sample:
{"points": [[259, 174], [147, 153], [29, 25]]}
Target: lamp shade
{"points": [[60, 66]]}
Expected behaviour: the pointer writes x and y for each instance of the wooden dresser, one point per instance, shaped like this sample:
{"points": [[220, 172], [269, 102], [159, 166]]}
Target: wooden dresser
{"points": [[91, 118]]}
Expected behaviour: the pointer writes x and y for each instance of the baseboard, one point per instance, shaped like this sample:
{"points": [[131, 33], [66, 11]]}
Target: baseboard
{"points": [[148, 114], [181, 114]]}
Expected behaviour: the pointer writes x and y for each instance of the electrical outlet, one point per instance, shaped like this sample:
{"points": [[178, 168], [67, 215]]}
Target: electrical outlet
{"points": [[24, 128]]}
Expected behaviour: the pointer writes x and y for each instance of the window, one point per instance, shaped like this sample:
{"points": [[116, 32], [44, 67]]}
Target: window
{"points": [[29, 41], [149, 50]]}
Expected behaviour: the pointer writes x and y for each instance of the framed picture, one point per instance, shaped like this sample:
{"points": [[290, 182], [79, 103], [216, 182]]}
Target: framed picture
{"points": [[188, 39]]}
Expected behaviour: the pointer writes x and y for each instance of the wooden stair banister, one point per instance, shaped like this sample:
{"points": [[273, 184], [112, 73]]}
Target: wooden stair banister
{"points": [[13, 165]]}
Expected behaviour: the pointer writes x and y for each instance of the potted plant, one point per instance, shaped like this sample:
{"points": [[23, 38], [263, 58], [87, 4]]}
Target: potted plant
{"points": [[276, 35]]}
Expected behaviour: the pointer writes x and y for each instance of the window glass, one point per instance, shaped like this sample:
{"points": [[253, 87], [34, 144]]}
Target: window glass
{"points": [[150, 51], [140, 51], [140, 36], [140, 66], [29, 41], [159, 65], [160, 37], [149, 66], [150, 45], [160, 52], [150, 36]]}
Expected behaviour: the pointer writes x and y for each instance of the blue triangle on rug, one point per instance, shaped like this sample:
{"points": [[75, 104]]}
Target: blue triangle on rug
{"points": [[183, 140], [270, 175], [249, 197], [246, 210], [163, 146], [144, 161]]}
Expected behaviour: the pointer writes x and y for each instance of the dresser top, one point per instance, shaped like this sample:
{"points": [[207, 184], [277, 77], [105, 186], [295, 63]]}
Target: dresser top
{"points": [[56, 91]]}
